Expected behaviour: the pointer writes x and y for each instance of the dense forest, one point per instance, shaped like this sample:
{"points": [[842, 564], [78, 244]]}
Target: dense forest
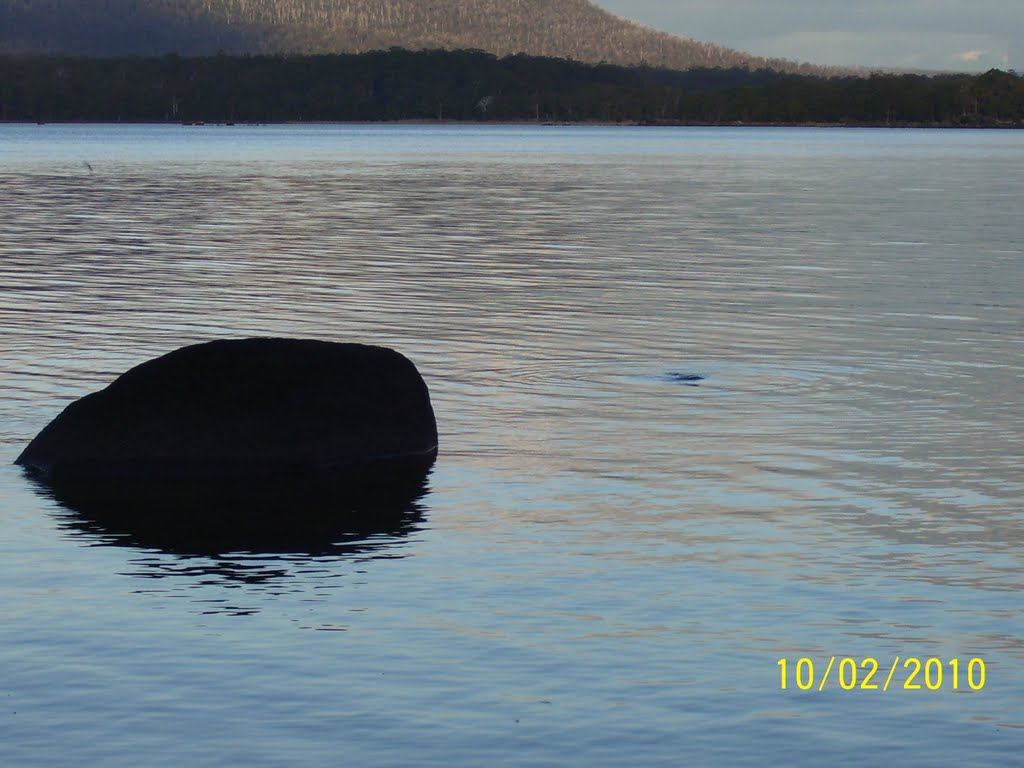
{"points": [[574, 29], [474, 85]]}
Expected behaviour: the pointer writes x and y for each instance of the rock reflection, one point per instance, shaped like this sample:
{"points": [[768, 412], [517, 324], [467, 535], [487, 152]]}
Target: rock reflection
{"points": [[340, 513], [243, 584]]}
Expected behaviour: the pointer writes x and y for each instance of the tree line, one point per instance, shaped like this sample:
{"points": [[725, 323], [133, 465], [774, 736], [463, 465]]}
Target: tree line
{"points": [[474, 85]]}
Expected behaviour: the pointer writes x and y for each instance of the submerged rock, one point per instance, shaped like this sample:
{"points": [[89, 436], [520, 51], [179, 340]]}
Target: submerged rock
{"points": [[689, 379], [245, 431]]}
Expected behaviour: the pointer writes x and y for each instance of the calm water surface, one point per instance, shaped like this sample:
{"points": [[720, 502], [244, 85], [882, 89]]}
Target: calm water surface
{"points": [[613, 553]]}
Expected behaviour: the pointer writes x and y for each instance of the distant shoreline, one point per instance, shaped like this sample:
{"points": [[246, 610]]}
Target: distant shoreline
{"points": [[472, 87], [558, 124]]}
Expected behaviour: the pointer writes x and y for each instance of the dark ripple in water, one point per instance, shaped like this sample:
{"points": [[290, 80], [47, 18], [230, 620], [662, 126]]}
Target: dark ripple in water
{"points": [[689, 379]]}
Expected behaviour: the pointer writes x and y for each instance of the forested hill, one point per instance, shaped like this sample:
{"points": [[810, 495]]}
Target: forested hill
{"points": [[572, 29]]}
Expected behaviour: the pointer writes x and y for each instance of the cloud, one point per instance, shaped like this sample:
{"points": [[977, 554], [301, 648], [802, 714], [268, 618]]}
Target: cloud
{"points": [[969, 56], [926, 34], [883, 47]]}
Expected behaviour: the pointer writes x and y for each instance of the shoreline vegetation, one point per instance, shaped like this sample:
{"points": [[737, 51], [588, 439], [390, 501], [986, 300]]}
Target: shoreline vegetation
{"points": [[477, 87]]}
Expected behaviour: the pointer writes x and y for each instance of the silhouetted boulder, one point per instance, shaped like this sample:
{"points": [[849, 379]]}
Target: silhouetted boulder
{"points": [[246, 433], [242, 406]]}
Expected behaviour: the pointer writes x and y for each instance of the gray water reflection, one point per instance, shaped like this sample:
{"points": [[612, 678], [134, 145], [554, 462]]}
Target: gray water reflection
{"points": [[844, 479], [858, 366]]}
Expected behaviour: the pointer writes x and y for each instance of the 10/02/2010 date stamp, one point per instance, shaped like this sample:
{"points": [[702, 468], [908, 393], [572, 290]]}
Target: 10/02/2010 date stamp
{"points": [[932, 674]]}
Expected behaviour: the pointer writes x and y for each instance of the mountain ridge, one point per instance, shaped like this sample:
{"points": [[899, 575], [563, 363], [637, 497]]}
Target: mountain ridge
{"points": [[571, 29]]}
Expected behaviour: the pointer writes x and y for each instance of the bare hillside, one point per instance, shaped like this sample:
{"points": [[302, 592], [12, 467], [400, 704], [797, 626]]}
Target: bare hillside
{"points": [[574, 29]]}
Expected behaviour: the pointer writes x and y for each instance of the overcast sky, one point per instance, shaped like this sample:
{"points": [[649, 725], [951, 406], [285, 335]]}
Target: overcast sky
{"points": [[963, 35]]}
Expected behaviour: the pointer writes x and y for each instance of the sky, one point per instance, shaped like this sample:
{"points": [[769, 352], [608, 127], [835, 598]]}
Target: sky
{"points": [[959, 35]]}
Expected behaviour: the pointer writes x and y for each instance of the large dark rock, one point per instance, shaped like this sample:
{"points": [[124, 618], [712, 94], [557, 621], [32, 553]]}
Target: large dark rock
{"points": [[241, 406], [251, 433]]}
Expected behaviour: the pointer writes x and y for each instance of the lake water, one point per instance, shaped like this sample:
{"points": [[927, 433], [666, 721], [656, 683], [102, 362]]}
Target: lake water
{"points": [[707, 399]]}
